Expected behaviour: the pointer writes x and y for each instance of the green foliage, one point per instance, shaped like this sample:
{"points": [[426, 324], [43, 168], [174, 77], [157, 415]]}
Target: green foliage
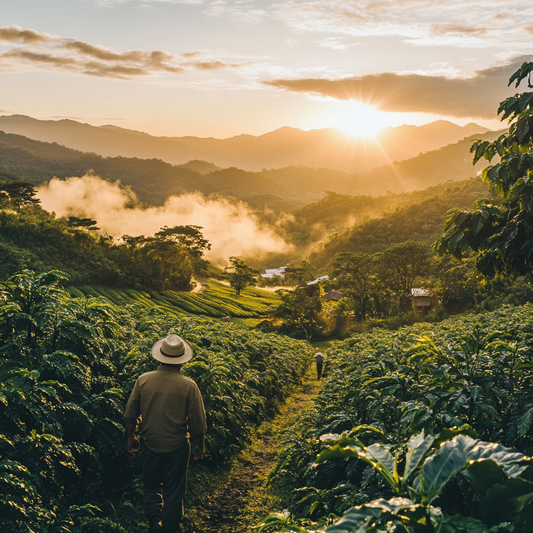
{"points": [[67, 366], [32, 238], [472, 374], [240, 275], [500, 231], [216, 300], [17, 194], [401, 221], [301, 308]]}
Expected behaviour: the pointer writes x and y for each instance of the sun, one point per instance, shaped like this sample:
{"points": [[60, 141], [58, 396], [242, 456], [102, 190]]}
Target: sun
{"points": [[361, 120]]}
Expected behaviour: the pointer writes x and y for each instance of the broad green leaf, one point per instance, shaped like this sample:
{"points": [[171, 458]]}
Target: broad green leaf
{"points": [[504, 501], [450, 433], [384, 460], [484, 474], [496, 452], [416, 449], [355, 520], [467, 524], [445, 464]]}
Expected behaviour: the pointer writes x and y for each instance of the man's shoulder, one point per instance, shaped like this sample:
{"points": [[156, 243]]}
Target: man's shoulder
{"points": [[156, 375]]}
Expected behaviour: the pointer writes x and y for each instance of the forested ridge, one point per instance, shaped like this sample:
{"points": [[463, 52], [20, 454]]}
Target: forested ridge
{"points": [[154, 180]]}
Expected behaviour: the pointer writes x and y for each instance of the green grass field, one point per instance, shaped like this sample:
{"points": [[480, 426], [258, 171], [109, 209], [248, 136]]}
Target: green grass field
{"points": [[216, 300]]}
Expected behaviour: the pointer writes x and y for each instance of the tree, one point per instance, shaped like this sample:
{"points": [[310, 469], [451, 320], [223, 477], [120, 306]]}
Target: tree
{"points": [[188, 237], [85, 223], [242, 274], [161, 262], [301, 273], [500, 229], [301, 307], [354, 272], [17, 194], [402, 264], [459, 282]]}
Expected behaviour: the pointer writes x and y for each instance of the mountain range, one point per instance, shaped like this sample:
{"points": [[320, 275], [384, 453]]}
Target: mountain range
{"points": [[321, 148], [153, 180]]}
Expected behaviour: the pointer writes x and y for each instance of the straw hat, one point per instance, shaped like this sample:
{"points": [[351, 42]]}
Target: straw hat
{"points": [[172, 350]]}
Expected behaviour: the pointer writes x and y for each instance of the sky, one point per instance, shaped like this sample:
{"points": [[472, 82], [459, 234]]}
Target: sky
{"points": [[219, 68]]}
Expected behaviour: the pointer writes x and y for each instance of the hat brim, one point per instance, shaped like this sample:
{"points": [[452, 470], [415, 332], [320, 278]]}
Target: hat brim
{"points": [[158, 356]]}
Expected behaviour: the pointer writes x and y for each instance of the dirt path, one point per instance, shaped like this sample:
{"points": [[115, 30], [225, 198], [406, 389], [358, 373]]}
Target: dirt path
{"points": [[198, 287], [241, 499]]}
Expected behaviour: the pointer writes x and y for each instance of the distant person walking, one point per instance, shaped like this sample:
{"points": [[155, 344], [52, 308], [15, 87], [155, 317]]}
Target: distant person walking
{"points": [[320, 358], [171, 407]]}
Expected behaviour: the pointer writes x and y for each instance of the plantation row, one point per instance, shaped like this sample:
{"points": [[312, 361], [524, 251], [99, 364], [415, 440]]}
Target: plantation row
{"points": [[67, 367], [382, 430], [217, 300]]}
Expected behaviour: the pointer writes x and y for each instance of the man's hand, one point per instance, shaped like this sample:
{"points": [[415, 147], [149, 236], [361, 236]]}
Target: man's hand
{"points": [[198, 453], [133, 445], [199, 447]]}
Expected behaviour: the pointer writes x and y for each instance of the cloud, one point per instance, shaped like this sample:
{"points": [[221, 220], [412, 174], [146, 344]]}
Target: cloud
{"points": [[144, 3], [17, 34], [476, 96], [336, 43], [31, 49], [242, 11], [230, 227], [462, 23]]}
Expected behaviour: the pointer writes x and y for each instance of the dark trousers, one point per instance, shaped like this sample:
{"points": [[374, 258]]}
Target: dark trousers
{"points": [[319, 367], [165, 484]]}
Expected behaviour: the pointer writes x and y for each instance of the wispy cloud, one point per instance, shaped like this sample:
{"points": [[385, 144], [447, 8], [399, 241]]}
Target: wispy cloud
{"points": [[243, 11], [475, 96], [336, 43], [110, 3], [463, 23], [31, 49]]}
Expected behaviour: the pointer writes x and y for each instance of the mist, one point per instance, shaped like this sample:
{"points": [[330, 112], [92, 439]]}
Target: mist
{"points": [[231, 228]]}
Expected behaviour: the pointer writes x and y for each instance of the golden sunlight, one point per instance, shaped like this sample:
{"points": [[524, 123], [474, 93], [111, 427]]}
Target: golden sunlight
{"points": [[361, 120]]}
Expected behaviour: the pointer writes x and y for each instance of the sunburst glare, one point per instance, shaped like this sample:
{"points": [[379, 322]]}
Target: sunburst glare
{"points": [[361, 120]]}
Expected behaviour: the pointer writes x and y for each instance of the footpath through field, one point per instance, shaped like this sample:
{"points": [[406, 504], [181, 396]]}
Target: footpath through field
{"points": [[241, 498]]}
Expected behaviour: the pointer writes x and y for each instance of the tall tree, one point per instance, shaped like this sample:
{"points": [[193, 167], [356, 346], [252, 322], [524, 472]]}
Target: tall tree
{"points": [[17, 194], [354, 272], [301, 308], [501, 229], [402, 264], [188, 237], [303, 272], [241, 274]]}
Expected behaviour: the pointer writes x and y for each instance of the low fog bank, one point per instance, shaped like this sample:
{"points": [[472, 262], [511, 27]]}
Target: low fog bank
{"points": [[231, 228]]}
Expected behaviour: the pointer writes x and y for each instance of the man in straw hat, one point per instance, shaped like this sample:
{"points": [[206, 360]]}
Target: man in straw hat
{"points": [[171, 408]]}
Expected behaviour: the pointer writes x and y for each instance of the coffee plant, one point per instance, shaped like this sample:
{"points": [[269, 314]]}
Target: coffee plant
{"points": [[397, 403], [67, 366]]}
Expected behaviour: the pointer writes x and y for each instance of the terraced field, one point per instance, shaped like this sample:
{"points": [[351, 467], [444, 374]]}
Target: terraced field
{"points": [[216, 300]]}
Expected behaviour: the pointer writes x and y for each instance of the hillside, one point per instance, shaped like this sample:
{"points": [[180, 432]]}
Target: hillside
{"points": [[329, 148], [421, 220], [153, 180]]}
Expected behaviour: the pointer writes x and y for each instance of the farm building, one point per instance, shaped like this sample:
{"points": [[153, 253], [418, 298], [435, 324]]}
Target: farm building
{"points": [[317, 280], [271, 272], [334, 296], [423, 301]]}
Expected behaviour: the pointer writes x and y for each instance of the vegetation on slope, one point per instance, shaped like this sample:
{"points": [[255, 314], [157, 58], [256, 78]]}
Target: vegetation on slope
{"points": [[67, 367], [154, 180], [420, 221], [472, 373]]}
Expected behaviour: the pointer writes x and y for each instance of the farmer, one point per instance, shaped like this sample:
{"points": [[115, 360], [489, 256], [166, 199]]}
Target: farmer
{"points": [[320, 358], [171, 408]]}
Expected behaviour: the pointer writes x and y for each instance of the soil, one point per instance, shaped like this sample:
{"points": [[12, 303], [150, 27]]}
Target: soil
{"points": [[241, 498]]}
